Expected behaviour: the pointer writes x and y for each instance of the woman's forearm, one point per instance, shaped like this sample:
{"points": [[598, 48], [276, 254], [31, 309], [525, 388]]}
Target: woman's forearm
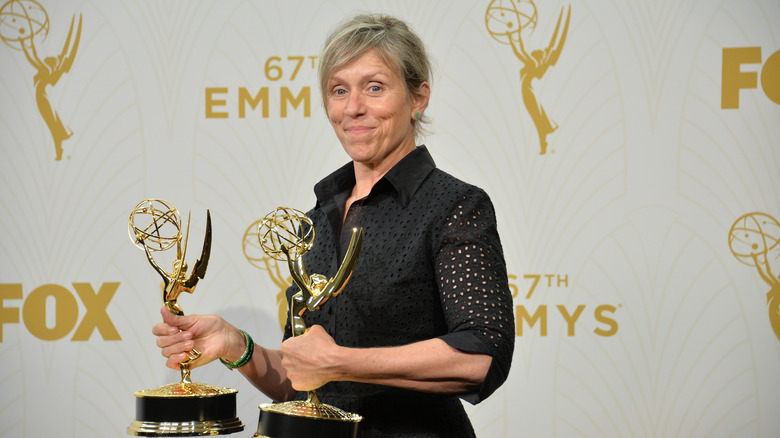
{"points": [[427, 366], [313, 359], [266, 373]]}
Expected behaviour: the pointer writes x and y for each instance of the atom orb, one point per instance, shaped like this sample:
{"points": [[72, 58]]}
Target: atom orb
{"points": [[21, 22], [753, 236], [504, 19], [285, 234], [154, 224]]}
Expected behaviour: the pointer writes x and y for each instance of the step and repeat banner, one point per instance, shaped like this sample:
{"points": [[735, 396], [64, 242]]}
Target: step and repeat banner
{"points": [[631, 148]]}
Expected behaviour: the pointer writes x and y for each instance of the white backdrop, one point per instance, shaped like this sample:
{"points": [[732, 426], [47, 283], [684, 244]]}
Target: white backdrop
{"points": [[634, 316]]}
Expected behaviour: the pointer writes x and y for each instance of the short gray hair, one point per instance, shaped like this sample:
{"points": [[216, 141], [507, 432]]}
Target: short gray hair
{"points": [[392, 39]]}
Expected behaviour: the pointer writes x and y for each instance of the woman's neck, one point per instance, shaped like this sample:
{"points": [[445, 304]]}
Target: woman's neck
{"points": [[368, 174]]}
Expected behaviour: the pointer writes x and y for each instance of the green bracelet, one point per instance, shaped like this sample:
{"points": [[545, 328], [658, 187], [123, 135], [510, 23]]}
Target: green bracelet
{"points": [[250, 348]]}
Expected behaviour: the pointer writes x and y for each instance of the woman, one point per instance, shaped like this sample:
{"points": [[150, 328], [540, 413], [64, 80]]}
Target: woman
{"points": [[426, 318]]}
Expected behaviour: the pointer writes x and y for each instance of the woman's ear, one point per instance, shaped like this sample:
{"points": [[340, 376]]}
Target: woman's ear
{"points": [[420, 98]]}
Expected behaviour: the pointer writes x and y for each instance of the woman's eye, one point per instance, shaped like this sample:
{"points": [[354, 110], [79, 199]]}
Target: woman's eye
{"points": [[340, 92]]}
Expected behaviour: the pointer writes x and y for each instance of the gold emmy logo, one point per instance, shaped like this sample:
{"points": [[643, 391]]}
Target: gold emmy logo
{"points": [[754, 240], [506, 20], [23, 25], [259, 259]]}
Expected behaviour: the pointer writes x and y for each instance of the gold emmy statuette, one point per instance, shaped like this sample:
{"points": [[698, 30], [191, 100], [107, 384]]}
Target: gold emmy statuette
{"points": [[183, 408], [287, 234]]}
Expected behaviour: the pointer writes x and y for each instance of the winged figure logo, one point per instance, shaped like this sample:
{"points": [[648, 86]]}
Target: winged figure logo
{"points": [[23, 24], [506, 20]]}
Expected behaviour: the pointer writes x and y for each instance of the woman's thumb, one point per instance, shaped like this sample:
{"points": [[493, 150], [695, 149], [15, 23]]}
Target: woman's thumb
{"points": [[173, 320]]}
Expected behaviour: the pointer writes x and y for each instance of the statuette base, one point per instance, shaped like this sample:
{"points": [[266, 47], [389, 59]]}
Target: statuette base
{"points": [[302, 418], [185, 409]]}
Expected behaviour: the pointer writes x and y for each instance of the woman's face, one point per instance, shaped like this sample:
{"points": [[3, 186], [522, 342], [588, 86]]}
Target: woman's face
{"points": [[372, 112]]}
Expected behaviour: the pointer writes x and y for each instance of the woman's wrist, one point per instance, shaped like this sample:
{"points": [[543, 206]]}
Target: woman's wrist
{"points": [[341, 360], [241, 351]]}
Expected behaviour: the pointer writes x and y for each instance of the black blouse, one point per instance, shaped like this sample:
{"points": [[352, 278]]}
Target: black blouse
{"points": [[431, 266]]}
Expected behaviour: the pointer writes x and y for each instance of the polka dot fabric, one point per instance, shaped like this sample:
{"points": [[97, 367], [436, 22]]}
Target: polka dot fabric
{"points": [[431, 266]]}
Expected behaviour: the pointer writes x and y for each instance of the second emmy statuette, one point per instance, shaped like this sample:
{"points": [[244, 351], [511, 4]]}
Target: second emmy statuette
{"points": [[183, 408], [287, 234]]}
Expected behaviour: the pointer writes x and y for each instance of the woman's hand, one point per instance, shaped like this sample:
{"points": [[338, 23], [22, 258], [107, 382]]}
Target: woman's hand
{"points": [[310, 359], [210, 334]]}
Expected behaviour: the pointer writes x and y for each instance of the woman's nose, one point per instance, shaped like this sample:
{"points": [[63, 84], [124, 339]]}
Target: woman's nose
{"points": [[355, 105]]}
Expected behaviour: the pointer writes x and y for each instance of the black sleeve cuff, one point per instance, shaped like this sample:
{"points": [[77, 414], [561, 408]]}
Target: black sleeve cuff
{"points": [[497, 374]]}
